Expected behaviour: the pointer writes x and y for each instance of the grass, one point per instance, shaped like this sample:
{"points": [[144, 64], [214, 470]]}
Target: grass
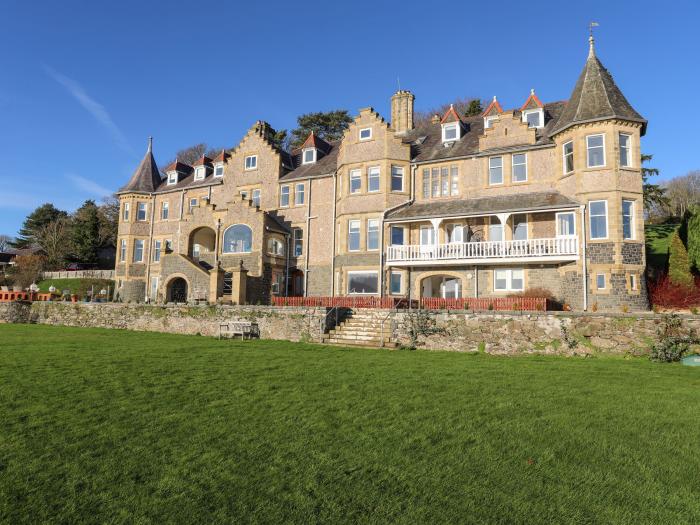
{"points": [[658, 238], [126, 427], [78, 286]]}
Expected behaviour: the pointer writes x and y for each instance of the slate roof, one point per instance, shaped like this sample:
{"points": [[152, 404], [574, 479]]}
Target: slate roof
{"points": [[326, 165], [519, 202], [596, 97], [426, 140], [275, 223], [147, 176], [188, 182]]}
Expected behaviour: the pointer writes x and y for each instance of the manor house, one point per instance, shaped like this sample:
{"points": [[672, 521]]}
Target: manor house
{"points": [[543, 196]]}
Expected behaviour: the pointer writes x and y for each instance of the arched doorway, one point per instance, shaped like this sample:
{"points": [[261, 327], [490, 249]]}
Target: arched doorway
{"points": [[202, 242], [443, 286], [177, 290]]}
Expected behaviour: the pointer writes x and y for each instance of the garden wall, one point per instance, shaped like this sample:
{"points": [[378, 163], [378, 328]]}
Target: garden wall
{"points": [[493, 332]]}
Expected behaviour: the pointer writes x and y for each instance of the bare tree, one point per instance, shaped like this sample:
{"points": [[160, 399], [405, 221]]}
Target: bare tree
{"points": [[54, 240], [191, 154], [109, 220], [463, 107], [5, 242], [682, 193]]}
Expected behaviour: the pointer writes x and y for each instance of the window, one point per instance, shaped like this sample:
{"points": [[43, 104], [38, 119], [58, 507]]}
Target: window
{"points": [[199, 173], [445, 181], [219, 170], [122, 250], [299, 194], [396, 236], [373, 179], [228, 283], [495, 170], [244, 195], [277, 283], [308, 156], [172, 177], [251, 162], [520, 167], [193, 203], [156, 250], [395, 279], [568, 150], [238, 239], [506, 280], [125, 211], [600, 281], [566, 224], [625, 150], [450, 132], [533, 117], [168, 246], [427, 235], [495, 230], [373, 234], [363, 282], [633, 281], [284, 196], [365, 133], [595, 145], [355, 181], [454, 233], [256, 198], [488, 122], [396, 178], [138, 250], [353, 236], [426, 183], [275, 247], [164, 211], [454, 170], [627, 219], [436, 182], [520, 227], [298, 238], [154, 288], [598, 211], [141, 211]]}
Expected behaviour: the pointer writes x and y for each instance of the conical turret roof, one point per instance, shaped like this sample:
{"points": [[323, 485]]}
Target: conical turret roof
{"points": [[147, 177], [596, 97]]}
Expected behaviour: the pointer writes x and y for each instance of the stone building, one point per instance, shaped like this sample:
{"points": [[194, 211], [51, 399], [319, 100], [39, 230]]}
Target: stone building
{"points": [[548, 195]]}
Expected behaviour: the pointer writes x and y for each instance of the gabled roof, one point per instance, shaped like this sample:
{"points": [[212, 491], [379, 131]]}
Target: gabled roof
{"points": [[532, 102], [202, 161], [178, 166], [324, 166], [221, 157], [493, 109], [314, 141], [450, 116], [147, 177], [596, 97]]}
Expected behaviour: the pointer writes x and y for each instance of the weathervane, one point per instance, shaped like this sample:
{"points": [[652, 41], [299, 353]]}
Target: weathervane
{"points": [[591, 51], [591, 26]]}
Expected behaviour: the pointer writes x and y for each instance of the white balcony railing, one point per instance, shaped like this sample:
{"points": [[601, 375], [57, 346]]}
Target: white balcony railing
{"points": [[559, 248]]}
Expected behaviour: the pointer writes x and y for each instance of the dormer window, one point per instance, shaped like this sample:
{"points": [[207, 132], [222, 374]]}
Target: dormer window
{"points": [[308, 156], [172, 177], [534, 117], [365, 133], [199, 173], [488, 122], [450, 132], [219, 170]]}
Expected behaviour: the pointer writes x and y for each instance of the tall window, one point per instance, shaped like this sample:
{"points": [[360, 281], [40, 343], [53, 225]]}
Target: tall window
{"points": [[454, 175], [156, 250], [520, 227], [353, 236], [284, 196], [566, 225], [256, 198], [627, 219], [396, 178], [363, 282], [238, 239], [568, 150], [426, 183], [299, 194], [435, 182], [125, 211], [506, 280], [598, 212], [373, 179], [445, 181], [373, 234], [427, 235], [595, 150], [141, 211], [165, 211], [355, 181], [496, 170], [455, 233], [122, 250], [495, 230], [138, 250], [520, 167], [251, 162], [397, 236], [395, 283], [600, 281], [625, 150], [298, 238]]}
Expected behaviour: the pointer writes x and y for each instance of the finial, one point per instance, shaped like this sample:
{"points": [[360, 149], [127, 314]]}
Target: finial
{"points": [[591, 40], [150, 144], [452, 106], [532, 91], [494, 98]]}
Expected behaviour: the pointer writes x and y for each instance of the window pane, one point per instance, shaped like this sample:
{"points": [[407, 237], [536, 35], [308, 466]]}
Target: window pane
{"points": [[595, 151], [495, 231], [284, 196], [500, 281], [426, 235], [362, 282], [495, 170], [565, 224], [568, 157], [355, 182], [354, 235], [445, 181], [426, 183], [519, 167], [372, 234], [309, 155], [396, 236], [455, 179], [627, 219], [436, 182], [396, 178], [600, 281], [238, 239], [373, 179], [299, 194], [450, 132], [533, 119], [624, 150], [256, 198], [517, 281], [520, 231], [395, 283]]}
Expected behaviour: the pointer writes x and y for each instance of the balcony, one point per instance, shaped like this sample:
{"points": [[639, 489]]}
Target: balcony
{"points": [[558, 249]]}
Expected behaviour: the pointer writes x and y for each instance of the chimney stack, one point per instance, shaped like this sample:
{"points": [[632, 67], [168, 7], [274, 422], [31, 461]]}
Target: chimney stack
{"points": [[402, 111]]}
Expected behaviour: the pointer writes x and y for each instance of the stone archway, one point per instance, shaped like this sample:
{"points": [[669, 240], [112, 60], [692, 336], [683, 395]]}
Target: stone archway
{"points": [[443, 285], [201, 243], [177, 290]]}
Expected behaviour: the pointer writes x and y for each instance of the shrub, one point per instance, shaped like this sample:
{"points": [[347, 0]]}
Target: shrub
{"points": [[691, 226], [534, 292], [663, 293], [679, 264], [27, 269], [420, 323], [673, 344]]}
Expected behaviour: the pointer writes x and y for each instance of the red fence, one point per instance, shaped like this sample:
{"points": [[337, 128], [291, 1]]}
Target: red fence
{"points": [[24, 296], [429, 303]]}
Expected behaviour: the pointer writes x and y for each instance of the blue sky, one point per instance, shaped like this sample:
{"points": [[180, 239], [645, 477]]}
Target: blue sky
{"points": [[84, 84]]}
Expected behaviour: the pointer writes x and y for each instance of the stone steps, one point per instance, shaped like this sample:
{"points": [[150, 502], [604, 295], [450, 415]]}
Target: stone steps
{"points": [[362, 328]]}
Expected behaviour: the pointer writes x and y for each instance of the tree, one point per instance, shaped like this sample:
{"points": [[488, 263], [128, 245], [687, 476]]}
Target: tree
{"points": [[192, 153], [54, 240], [653, 194], [690, 231], [467, 107], [85, 233], [5, 243], [27, 269], [474, 108], [281, 139], [40, 217], [108, 213], [329, 126], [683, 193], [678, 263]]}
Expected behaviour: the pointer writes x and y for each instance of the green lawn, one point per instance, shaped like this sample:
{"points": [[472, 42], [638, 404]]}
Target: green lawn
{"points": [[107, 426], [77, 286], [658, 238]]}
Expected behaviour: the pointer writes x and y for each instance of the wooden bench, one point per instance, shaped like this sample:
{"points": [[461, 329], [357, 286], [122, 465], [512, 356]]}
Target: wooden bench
{"points": [[245, 329]]}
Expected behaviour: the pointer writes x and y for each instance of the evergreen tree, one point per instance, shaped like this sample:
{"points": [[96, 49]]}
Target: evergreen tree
{"points": [[678, 263], [329, 126], [653, 194], [35, 221], [474, 108], [85, 232], [690, 231]]}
